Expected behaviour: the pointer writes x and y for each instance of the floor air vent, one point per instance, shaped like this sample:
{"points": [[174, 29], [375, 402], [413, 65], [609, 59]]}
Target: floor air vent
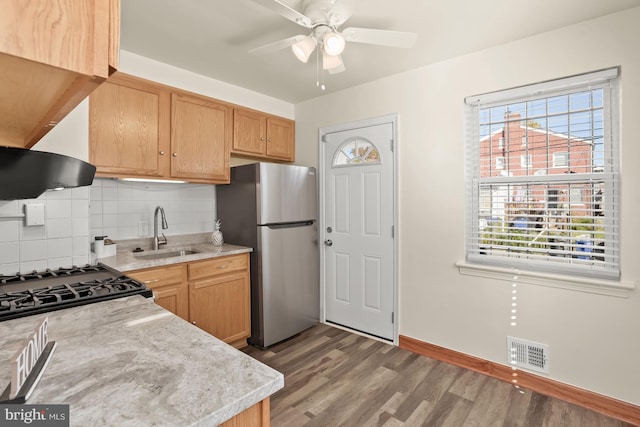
{"points": [[528, 355]]}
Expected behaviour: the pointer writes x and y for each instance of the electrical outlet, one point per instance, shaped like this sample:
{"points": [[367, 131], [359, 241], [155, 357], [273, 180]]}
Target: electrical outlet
{"points": [[33, 214]]}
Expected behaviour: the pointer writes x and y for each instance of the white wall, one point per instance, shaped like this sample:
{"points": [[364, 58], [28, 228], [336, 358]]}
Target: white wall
{"points": [[159, 72], [594, 339]]}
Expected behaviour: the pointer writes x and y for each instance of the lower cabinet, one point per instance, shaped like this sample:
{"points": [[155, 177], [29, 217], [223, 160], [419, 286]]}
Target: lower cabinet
{"points": [[219, 298], [258, 415], [213, 294], [169, 286]]}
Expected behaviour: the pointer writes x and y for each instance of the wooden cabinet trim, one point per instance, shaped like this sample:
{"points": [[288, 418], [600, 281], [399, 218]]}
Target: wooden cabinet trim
{"points": [[217, 280], [161, 276], [218, 266]]}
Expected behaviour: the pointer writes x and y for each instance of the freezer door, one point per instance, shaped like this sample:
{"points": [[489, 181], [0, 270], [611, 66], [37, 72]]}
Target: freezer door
{"points": [[290, 281], [286, 193]]}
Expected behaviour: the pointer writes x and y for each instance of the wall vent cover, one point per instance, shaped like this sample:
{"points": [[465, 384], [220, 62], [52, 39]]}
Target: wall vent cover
{"points": [[528, 354]]}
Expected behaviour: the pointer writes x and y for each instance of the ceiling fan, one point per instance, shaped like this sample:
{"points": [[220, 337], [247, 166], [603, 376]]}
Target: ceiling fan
{"points": [[323, 18]]}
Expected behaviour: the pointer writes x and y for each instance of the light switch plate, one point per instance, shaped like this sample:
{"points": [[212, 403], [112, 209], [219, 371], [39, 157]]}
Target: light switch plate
{"points": [[33, 214]]}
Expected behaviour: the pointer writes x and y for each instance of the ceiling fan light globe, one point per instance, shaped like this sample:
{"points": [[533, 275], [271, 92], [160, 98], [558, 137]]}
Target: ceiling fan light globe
{"points": [[333, 43], [330, 62], [303, 49]]}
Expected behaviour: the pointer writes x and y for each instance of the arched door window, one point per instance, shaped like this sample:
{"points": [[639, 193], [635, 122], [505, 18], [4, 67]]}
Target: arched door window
{"points": [[356, 151]]}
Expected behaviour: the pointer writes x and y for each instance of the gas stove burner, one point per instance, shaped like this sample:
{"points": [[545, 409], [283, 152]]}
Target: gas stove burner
{"points": [[75, 269], [38, 292], [62, 271]]}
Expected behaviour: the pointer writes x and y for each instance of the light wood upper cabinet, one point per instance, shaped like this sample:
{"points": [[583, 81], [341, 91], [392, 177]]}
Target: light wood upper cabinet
{"points": [[258, 134], [52, 55], [129, 128], [200, 138], [139, 128], [280, 139]]}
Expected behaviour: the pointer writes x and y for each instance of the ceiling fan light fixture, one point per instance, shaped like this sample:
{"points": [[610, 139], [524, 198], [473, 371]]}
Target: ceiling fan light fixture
{"points": [[303, 49], [333, 43], [330, 62]]}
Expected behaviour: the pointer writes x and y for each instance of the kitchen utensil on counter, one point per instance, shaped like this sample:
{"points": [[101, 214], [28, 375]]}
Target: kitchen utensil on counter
{"points": [[216, 237]]}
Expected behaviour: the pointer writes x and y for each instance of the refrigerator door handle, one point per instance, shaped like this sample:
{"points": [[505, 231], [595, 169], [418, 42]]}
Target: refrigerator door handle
{"points": [[290, 224]]}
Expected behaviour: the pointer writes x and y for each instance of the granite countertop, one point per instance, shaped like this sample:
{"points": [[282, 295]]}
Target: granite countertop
{"points": [[127, 362], [127, 260]]}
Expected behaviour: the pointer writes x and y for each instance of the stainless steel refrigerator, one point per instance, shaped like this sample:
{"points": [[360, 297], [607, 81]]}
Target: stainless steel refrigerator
{"points": [[273, 208]]}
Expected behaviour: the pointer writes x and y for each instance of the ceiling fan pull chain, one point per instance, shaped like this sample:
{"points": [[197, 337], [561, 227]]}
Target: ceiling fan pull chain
{"points": [[319, 69]]}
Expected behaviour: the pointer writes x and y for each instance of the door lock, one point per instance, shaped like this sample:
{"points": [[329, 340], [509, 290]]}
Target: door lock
{"points": [[329, 229], [328, 242]]}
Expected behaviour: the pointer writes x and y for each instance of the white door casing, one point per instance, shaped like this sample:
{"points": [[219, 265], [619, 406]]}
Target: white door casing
{"points": [[357, 220]]}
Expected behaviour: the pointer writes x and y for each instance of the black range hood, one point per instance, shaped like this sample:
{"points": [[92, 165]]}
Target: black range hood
{"points": [[26, 174]]}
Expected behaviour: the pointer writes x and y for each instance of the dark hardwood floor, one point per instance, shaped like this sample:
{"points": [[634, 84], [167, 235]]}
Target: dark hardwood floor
{"points": [[336, 378]]}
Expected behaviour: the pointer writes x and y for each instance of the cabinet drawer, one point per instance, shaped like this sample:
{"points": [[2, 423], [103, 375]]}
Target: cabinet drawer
{"points": [[160, 276], [218, 266]]}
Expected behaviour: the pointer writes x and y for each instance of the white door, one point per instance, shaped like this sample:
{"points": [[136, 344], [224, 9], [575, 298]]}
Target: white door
{"points": [[358, 222]]}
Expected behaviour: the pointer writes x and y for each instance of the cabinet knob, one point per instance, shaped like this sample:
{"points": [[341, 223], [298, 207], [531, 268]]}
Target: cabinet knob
{"points": [[262, 138], [162, 153], [194, 322], [269, 140], [175, 154]]}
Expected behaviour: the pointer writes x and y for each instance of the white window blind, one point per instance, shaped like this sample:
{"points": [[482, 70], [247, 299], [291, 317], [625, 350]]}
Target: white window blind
{"points": [[553, 206]]}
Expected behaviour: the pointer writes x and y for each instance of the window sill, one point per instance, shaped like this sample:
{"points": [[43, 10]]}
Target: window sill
{"points": [[575, 283]]}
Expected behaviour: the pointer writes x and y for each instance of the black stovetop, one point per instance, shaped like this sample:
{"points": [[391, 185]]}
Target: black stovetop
{"points": [[40, 292]]}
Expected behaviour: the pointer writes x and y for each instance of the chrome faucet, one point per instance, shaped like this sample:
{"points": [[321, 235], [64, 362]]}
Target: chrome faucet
{"points": [[157, 242]]}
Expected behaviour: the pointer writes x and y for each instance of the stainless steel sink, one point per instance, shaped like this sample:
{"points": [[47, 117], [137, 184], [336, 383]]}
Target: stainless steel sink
{"points": [[166, 254]]}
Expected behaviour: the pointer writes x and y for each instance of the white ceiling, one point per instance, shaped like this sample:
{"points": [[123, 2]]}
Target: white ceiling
{"points": [[212, 37]]}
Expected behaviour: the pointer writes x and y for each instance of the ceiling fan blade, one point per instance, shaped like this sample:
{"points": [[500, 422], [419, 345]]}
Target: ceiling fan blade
{"points": [[340, 12], [380, 37], [277, 45], [286, 11]]}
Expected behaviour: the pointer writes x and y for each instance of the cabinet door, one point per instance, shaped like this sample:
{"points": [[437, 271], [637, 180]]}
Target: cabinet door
{"points": [[53, 54], [280, 138], [220, 306], [70, 34], [128, 128], [200, 139], [169, 286], [249, 130]]}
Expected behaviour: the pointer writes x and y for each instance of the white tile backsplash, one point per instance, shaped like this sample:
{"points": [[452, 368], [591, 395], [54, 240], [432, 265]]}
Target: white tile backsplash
{"points": [[80, 208], [58, 209], [9, 231], [33, 250], [9, 252], [124, 210], [118, 209], [55, 247], [59, 227], [62, 241]]}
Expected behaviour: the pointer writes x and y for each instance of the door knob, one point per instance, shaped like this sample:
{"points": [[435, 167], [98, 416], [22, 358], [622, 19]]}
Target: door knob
{"points": [[328, 242]]}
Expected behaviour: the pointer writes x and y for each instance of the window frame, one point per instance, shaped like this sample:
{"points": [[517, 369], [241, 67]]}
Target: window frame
{"points": [[608, 80], [560, 154]]}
